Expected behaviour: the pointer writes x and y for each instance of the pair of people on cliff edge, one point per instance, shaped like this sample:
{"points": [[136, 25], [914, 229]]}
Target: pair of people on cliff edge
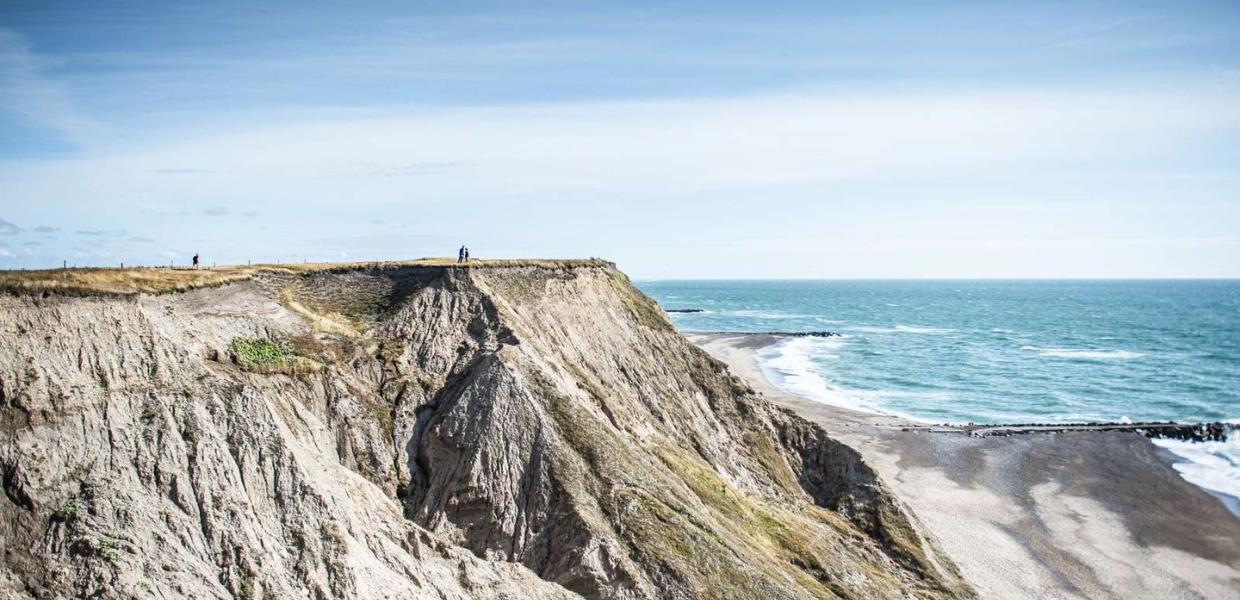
{"points": [[462, 255]]}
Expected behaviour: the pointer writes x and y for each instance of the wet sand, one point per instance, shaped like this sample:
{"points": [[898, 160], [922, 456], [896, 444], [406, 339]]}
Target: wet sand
{"points": [[1042, 515]]}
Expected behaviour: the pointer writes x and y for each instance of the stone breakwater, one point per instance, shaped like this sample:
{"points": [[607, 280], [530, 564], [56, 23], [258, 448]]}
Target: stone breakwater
{"points": [[1193, 432]]}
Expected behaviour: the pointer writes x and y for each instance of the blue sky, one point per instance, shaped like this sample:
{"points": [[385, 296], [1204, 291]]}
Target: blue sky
{"points": [[680, 139]]}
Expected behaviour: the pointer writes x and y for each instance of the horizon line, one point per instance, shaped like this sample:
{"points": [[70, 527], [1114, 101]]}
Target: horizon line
{"points": [[1036, 278]]}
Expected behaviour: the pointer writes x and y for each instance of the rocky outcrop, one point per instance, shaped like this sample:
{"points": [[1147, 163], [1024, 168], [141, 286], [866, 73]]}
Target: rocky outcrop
{"points": [[418, 431]]}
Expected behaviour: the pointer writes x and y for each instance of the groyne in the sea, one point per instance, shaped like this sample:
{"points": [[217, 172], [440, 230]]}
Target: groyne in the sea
{"points": [[1193, 432]]}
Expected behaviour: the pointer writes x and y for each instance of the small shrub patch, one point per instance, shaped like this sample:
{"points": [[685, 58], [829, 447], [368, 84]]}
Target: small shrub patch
{"points": [[252, 353]]}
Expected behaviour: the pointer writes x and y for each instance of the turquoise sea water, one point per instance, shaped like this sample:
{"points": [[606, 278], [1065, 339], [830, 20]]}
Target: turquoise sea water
{"points": [[998, 351]]}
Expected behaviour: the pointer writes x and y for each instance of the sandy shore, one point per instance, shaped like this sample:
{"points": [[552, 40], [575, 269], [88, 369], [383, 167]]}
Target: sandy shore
{"points": [[1046, 515]]}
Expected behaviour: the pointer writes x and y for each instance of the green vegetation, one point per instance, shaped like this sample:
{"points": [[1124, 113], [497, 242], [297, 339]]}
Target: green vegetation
{"points": [[256, 353], [645, 310], [107, 549], [69, 511], [772, 460], [775, 535], [586, 382]]}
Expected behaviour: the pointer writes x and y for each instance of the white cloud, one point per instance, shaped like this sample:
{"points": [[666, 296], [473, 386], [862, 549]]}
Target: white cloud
{"points": [[690, 144], [792, 151]]}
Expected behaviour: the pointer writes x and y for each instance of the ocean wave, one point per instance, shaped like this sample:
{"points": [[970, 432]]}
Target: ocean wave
{"points": [[1083, 353], [902, 329], [764, 314], [938, 396], [929, 330], [1214, 466], [789, 365]]}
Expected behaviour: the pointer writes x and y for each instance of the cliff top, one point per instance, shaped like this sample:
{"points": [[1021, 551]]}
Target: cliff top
{"points": [[155, 280]]}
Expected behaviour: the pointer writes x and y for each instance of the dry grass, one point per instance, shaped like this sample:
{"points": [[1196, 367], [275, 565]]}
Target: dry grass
{"points": [[324, 321], [157, 280]]}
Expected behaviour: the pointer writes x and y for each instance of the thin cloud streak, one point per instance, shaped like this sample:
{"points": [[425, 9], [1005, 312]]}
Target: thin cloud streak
{"points": [[953, 139], [27, 92], [775, 140]]}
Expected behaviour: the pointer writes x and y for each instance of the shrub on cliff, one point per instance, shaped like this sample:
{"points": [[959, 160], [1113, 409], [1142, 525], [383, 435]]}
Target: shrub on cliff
{"points": [[255, 353]]}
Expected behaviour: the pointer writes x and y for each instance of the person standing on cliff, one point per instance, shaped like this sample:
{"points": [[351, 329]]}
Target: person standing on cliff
{"points": [[460, 254], [466, 254], [195, 261]]}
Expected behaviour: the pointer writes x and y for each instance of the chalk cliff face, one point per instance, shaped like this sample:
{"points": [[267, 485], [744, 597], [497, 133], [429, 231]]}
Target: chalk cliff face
{"points": [[411, 431]]}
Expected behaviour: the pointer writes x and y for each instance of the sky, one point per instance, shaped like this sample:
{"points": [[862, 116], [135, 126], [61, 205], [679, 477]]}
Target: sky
{"points": [[679, 139]]}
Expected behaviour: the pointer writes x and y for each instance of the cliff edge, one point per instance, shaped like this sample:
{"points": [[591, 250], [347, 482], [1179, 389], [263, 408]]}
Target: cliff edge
{"points": [[400, 430]]}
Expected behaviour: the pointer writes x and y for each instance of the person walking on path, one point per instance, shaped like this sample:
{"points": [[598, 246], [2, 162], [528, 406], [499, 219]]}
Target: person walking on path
{"points": [[195, 261]]}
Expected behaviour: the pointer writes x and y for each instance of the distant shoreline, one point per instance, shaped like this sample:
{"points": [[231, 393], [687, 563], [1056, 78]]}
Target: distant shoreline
{"points": [[1180, 430], [1050, 514]]}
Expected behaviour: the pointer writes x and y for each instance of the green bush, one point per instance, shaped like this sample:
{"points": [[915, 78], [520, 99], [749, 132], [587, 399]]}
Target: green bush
{"points": [[258, 353], [107, 548], [70, 510]]}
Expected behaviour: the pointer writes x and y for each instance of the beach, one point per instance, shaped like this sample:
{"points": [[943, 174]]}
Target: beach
{"points": [[1041, 515]]}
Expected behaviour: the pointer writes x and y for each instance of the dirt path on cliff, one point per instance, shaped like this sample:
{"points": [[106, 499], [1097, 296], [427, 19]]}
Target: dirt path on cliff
{"points": [[1066, 515]]}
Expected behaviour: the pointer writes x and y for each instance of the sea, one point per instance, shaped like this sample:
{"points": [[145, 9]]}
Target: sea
{"points": [[999, 351]]}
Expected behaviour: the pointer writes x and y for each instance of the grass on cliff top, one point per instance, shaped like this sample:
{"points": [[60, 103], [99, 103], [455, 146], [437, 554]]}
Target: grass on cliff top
{"points": [[155, 280]]}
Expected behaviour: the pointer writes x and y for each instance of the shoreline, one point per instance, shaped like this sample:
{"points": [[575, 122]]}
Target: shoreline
{"points": [[1177, 439], [1059, 514], [771, 339]]}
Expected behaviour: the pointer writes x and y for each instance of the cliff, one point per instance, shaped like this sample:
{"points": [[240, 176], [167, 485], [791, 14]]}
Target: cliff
{"points": [[398, 430]]}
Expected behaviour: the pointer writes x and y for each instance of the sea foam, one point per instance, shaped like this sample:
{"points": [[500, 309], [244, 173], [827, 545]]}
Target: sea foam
{"points": [[1084, 353], [902, 329], [789, 365], [764, 314], [1214, 466]]}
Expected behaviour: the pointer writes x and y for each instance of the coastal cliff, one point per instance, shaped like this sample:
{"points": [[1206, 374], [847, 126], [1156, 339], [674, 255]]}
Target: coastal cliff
{"points": [[504, 429]]}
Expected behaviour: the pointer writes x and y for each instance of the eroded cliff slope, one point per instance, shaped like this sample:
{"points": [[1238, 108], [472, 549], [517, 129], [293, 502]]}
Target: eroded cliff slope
{"points": [[512, 429]]}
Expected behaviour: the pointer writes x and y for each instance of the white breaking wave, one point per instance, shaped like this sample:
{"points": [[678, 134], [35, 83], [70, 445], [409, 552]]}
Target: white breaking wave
{"points": [[762, 314], [1085, 354], [789, 365], [929, 330], [902, 329], [1214, 466]]}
